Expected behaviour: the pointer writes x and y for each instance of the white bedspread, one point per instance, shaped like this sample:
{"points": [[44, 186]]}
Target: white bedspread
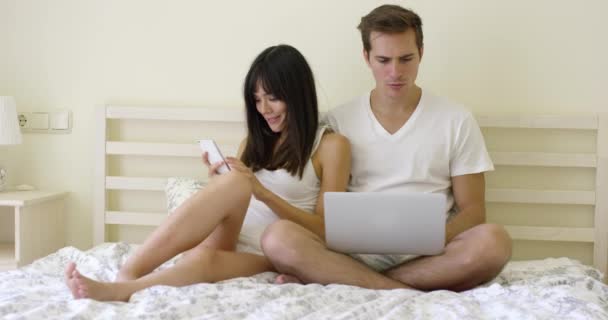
{"points": [[544, 289]]}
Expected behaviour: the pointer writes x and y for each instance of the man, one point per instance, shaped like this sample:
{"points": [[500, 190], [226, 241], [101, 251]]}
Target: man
{"points": [[403, 139]]}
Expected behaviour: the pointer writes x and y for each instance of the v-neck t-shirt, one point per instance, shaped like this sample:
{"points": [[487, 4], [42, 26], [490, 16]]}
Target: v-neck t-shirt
{"points": [[440, 140]]}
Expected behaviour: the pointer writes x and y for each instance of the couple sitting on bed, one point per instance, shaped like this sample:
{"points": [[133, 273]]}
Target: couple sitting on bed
{"points": [[273, 196]]}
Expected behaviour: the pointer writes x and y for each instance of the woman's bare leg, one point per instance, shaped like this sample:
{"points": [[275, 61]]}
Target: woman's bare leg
{"points": [[217, 210], [201, 264]]}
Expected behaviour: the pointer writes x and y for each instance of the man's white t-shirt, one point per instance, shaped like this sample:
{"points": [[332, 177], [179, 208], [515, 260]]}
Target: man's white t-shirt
{"points": [[439, 140]]}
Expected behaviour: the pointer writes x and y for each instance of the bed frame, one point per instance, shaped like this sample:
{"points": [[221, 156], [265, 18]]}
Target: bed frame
{"points": [[575, 145]]}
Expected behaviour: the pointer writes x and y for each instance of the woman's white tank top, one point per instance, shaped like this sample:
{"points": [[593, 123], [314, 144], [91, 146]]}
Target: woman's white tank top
{"points": [[301, 193]]}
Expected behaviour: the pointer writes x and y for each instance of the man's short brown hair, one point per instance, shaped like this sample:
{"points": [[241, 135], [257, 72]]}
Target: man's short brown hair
{"points": [[390, 18]]}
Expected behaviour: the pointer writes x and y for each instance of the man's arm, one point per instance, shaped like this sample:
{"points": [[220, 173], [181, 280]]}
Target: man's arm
{"points": [[469, 196]]}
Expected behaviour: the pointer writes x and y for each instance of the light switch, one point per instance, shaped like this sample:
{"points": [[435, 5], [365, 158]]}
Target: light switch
{"points": [[60, 120], [39, 120]]}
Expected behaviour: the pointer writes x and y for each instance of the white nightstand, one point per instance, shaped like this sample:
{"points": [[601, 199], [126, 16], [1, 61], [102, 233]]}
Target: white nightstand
{"points": [[31, 226]]}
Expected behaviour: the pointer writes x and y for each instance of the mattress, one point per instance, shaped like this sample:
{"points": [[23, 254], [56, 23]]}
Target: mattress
{"points": [[558, 288]]}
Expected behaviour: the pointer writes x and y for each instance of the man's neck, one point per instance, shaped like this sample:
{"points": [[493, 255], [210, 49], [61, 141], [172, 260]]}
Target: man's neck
{"points": [[386, 105], [391, 113]]}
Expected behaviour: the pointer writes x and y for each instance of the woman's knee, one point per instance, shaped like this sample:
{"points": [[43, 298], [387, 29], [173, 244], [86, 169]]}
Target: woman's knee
{"points": [[200, 253], [234, 182]]}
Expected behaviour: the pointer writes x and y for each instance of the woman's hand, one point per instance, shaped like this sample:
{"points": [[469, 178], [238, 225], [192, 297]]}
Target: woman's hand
{"points": [[212, 168], [259, 191]]}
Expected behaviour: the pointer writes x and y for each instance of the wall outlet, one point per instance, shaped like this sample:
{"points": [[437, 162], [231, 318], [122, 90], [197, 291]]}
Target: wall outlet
{"points": [[59, 121], [23, 120]]}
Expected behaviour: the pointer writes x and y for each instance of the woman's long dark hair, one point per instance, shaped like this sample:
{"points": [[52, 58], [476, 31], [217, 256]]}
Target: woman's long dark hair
{"points": [[283, 72]]}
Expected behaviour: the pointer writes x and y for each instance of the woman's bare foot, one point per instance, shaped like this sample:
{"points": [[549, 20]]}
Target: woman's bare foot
{"points": [[124, 276], [286, 278], [83, 287], [69, 278]]}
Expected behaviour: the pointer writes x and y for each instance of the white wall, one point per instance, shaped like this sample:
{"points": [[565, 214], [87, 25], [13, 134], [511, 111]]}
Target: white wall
{"points": [[495, 56]]}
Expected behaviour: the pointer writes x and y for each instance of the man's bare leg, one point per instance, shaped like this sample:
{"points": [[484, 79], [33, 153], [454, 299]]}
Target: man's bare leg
{"points": [[473, 257], [199, 265], [219, 208], [299, 253]]}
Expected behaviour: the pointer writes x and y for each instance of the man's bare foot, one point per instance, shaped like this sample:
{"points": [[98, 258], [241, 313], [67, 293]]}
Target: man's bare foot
{"points": [[83, 287], [286, 278]]}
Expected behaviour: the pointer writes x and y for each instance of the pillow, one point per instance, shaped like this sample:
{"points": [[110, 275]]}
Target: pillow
{"points": [[178, 189]]}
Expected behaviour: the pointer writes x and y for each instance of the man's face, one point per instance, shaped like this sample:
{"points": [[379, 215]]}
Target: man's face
{"points": [[394, 60]]}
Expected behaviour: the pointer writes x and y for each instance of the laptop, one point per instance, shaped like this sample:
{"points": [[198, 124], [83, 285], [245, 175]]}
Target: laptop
{"points": [[385, 223]]}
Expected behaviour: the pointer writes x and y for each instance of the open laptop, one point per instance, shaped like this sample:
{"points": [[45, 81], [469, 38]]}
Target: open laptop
{"points": [[387, 223]]}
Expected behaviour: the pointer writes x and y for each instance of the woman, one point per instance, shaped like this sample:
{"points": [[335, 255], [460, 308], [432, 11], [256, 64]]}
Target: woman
{"points": [[286, 163]]}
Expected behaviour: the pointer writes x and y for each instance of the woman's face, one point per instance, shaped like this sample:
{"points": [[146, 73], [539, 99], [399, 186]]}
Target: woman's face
{"points": [[272, 109]]}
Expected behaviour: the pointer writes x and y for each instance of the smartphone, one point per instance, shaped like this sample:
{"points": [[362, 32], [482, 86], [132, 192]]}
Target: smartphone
{"points": [[214, 154]]}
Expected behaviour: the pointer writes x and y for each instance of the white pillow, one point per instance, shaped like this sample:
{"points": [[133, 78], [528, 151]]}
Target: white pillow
{"points": [[178, 189]]}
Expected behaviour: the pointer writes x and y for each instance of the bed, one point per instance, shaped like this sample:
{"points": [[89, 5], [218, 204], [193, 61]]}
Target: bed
{"points": [[550, 190]]}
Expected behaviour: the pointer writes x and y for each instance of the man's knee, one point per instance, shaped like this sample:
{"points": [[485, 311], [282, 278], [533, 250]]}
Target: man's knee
{"points": [[278, 237], [498, 243], [493, 250], [281, 241]]}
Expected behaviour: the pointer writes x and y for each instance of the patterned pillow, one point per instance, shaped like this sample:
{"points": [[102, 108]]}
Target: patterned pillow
{"points": [[179, 189]]}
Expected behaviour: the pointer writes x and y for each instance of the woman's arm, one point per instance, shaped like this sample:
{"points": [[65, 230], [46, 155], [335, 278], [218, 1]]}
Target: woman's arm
{"points": [[332, 165]]}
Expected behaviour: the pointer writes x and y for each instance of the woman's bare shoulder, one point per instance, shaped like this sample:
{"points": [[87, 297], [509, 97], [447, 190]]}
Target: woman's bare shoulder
{"points": [[333, 142]]}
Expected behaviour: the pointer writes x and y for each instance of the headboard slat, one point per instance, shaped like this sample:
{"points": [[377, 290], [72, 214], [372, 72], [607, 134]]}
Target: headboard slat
{"points": [[99, 175], [539, 122], [551, 234], [540, 196], [160, 149], [135, 218], [600, 248], [517, 232], [176, 114], [135, 183], [541, 159]]}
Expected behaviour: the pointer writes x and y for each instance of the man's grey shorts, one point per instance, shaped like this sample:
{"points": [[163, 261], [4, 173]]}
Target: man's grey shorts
{"points": [[383, 262]]}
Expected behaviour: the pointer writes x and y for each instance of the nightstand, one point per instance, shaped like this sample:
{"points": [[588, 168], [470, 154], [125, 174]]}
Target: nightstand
{"points": [[31, 226]]}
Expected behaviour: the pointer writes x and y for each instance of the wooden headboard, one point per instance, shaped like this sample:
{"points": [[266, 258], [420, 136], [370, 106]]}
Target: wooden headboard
{"points": [[550, 187]]}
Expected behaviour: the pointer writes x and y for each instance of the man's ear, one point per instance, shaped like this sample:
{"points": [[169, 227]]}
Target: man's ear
{"points": [[421, 51]]}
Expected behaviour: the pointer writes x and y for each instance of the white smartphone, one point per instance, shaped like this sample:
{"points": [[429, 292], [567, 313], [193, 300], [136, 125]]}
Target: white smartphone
{"points": [[214, 154]]}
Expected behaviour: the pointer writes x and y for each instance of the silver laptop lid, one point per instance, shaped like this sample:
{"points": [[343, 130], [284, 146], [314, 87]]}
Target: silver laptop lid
{"points": [[388, 223]]}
